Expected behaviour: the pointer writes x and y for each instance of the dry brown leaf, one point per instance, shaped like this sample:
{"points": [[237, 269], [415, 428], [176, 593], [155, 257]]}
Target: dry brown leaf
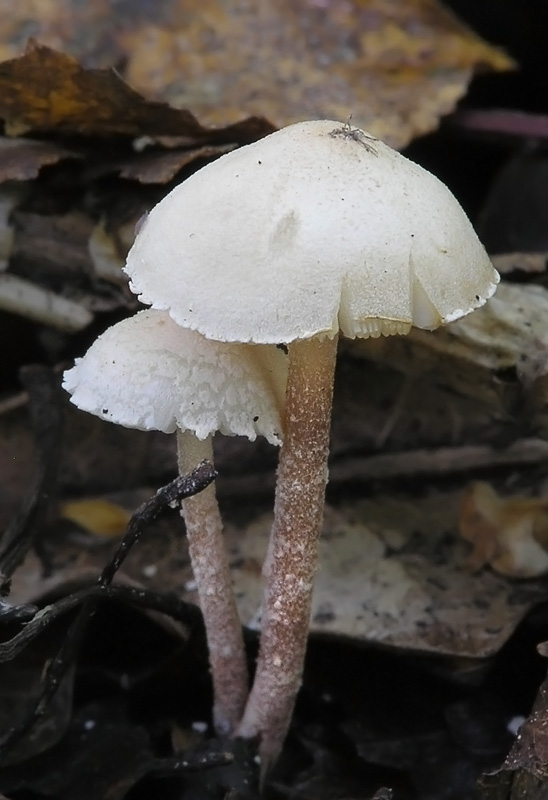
{"points": [[530, 263], [396, 65], [161, 166], [47, 91], [392, 571], [22, 159]]}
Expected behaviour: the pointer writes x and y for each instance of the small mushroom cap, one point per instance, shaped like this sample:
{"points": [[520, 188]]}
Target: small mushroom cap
{"points": [[316, 228], [149, 373]]}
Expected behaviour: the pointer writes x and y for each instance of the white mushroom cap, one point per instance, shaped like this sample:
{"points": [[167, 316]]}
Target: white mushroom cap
{"points": [[315, 228], [148, 373]]}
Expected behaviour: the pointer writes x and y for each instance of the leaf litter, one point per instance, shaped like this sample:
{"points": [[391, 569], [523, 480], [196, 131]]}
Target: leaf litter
{"points": [[397, 66]]}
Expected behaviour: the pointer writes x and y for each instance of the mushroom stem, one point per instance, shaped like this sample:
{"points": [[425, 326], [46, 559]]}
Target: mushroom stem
{"points": [[214, 584], [292, 558]]}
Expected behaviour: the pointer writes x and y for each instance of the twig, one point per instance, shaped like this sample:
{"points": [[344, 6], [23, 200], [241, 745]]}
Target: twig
{"points": [[171, 495], [167, 767], [12, 613], [177, 490], [414, 464], [169, 604], [438, 461]]}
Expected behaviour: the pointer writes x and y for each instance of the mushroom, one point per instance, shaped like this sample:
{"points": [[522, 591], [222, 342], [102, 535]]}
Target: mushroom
{"points": [[149, 373], [315, 230]]}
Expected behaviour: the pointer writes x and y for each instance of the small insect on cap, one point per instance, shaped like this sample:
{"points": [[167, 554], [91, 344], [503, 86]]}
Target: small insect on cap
{"points": [[316, 228], [148, 373]]}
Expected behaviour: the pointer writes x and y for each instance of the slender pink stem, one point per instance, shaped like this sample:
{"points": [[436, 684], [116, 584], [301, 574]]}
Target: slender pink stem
{"points": [[292, 559], [211, 570]]}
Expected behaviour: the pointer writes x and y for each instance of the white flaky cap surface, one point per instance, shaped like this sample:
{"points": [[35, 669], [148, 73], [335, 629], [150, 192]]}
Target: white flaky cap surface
{"points": [[148, 373], [314, 229]]}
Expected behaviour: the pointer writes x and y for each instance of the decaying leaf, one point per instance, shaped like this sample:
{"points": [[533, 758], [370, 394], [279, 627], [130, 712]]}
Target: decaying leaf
{"points": [[163, 166], [97, 516], [477, 355], [22, 159], [46, 91], [397, 66], [509, 534], [530, 263], [393, 571]]}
